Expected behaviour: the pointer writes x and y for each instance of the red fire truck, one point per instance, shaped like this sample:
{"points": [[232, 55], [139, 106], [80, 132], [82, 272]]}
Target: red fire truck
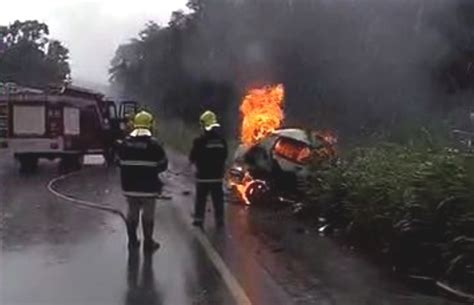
{"points": [[59, 123]]}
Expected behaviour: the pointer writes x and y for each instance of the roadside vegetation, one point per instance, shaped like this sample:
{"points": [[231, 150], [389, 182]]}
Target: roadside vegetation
{"points": [[411, 206], [176, 134]]}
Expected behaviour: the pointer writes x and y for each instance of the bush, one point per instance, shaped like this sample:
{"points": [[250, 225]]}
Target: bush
{"points": [[177, 134], [414, 205]]}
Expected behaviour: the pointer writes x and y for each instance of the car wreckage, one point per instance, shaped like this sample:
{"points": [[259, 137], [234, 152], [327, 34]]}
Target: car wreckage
{"points": [[271, 163], [275, 169]]}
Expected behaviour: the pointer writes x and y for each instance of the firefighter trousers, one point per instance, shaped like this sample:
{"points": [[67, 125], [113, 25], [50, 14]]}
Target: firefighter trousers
{"points": [[147, 206], [144, 204], [217, 195]]}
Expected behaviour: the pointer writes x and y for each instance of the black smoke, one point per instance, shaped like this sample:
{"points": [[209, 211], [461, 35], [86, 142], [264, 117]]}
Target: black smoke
{"points": [[354, 66]]}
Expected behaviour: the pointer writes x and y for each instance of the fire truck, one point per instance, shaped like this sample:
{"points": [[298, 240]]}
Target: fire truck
{"points": [[63, 123]]}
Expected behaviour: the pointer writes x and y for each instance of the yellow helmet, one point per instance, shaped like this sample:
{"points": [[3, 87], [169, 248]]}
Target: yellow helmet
{"points": [[143, 119], [208, 120]]}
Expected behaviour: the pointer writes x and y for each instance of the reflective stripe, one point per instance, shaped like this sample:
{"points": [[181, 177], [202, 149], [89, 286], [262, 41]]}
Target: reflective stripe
{"points": [[139, 163], [140, 132], [140, 194], [208, 180], [215, 146], [208, 128]]}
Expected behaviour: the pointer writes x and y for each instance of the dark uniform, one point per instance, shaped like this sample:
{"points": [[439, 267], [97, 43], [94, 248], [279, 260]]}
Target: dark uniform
{"points": [[142, 158], [208, 154]]}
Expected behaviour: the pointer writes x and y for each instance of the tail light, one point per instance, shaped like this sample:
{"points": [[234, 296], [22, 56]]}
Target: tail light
{"points": [[293, 150]]}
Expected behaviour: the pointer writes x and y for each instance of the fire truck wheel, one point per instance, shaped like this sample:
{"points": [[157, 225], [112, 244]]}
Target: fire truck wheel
{"points": [[70, 163], [28, 164], [78, 162]]}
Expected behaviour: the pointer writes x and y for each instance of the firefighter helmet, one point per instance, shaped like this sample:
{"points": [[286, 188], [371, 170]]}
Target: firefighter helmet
{"points": [[143, 119], [208, 120]]}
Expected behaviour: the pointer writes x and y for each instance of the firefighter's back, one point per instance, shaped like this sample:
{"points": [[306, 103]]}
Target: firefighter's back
{"points": [[141, 160]]}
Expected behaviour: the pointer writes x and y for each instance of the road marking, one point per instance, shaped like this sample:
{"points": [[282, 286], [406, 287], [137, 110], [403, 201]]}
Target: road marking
{"points": [[235, 289], [229, 279]]}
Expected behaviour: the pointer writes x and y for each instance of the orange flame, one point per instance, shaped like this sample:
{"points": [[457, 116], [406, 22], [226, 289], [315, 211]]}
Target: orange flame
{"points": [[240, 180], [262, 113], [243, 186]]}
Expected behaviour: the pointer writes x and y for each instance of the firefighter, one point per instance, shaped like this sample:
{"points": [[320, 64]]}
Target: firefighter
{"points": [[208, 154], [142, 158]]}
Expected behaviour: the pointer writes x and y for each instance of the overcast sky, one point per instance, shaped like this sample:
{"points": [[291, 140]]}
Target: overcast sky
{"points": [[91, 29]]}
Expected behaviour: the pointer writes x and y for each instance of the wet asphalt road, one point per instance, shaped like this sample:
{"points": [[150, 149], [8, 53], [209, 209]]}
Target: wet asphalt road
{"points": [[53, 252]]}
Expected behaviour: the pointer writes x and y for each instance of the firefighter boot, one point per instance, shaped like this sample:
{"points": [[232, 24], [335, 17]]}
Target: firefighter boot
{"points": [[133, 242], [149, 244]]}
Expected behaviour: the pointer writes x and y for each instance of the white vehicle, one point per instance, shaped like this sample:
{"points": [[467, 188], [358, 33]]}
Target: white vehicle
{"points": [[275, 167]]}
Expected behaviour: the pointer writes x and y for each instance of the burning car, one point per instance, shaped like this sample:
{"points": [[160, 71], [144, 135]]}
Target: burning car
{"points": [[272, 162], [275, 168]]}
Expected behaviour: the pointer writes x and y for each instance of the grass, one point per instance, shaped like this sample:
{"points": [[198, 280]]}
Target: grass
{"points": [[179, 136], [176, 134], [414, 205]]}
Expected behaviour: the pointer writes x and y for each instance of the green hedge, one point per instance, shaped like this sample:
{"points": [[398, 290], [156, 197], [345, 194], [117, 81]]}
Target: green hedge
{"points": [[415, 206]]}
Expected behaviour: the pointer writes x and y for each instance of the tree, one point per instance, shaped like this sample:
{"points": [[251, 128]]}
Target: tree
{"points": [[29, 57], [57, 57], [367, 66]]}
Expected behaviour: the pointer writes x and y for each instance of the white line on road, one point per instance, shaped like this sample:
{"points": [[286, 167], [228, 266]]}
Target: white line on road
{"points": [[235, 289], [231, 282], [229, 279]]}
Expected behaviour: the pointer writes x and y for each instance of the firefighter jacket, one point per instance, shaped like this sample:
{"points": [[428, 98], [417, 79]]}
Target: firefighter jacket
{"points": [[142, 158], [208, 154]]}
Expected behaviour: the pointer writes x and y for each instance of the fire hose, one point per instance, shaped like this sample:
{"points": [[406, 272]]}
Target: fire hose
{"points": [[89, 204], [234, 287]]}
